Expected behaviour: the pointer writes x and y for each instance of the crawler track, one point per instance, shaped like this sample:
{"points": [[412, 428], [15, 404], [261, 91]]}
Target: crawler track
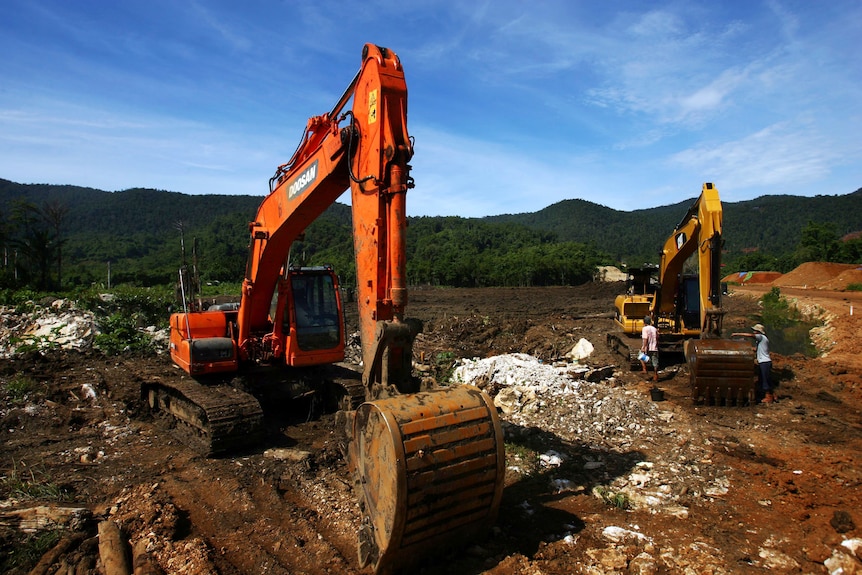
{"points": [[212, 419]]}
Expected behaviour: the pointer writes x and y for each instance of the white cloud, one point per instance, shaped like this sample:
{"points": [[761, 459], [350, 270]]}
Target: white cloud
{"points": [[779, 155]]}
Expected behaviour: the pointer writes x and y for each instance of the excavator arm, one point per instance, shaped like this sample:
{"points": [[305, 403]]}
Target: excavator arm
{"points": [[369, 155], [699, 231], [720, 370]]}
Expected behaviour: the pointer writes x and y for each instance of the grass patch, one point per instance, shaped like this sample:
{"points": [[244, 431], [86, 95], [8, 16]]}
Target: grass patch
{"points": [[616, 499], [27, 551], [31, 483], [854, 287], [19, 387], [522, 457]]}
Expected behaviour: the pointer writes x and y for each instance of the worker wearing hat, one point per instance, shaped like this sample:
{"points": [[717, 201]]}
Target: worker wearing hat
{"points": [[764, 362]]}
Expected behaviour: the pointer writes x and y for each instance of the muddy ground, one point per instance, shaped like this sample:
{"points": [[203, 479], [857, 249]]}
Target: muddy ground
{"points": [[598, 480]]}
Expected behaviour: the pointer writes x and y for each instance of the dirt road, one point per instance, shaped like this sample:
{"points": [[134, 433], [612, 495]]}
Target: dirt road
{"points": [[600, 479]]}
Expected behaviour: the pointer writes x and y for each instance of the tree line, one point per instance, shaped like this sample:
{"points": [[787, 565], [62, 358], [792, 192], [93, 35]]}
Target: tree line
{"points": [[61, 237]]}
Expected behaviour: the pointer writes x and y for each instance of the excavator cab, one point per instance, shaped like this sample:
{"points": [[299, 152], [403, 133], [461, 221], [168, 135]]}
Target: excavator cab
{"points": [[689, 307], [313, 316], [631, 307]]}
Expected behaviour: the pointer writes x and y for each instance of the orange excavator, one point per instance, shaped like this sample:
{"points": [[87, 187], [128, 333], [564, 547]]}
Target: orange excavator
{"points": [[428, 464], [686, 308]]}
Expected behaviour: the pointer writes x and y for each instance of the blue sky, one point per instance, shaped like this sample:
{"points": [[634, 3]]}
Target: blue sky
{"points": [[514, 104]]}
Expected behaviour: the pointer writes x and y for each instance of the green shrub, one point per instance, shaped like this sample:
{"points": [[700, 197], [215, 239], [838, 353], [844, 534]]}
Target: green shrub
{"points": [[444, 366], [149, 306], [120, 334], [854, 287], [22, 300]]}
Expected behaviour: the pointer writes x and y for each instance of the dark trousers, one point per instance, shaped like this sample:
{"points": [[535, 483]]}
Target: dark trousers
{"points": [[763, 381]]}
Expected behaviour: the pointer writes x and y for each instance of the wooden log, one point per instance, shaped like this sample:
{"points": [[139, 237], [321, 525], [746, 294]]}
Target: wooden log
{"points": [[48, 560], [85, 566], [44, 517], [112, 550]]}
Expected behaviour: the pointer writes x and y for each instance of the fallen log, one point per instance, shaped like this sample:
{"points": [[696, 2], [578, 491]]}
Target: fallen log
{"points": [[48, 560], [113, 550], [44, 517]]}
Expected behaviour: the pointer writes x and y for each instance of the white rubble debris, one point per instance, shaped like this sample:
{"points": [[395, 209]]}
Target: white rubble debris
{"points": [[552, 459], [516, 369], [58, 325], [841, 564], [603, 418], [621, 535], [88, 391], [611, 423], [855, 547], [775, 560]]}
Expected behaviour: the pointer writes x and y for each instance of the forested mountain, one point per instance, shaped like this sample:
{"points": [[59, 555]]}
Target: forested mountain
{"points": [[769, 224], [73, 236]]}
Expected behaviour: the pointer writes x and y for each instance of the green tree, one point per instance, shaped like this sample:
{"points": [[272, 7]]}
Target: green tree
{"points": [[819, 242], [54, 213]]}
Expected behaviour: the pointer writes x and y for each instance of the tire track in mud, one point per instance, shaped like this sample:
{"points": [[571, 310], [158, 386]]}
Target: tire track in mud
{"points": [[250, 527]]}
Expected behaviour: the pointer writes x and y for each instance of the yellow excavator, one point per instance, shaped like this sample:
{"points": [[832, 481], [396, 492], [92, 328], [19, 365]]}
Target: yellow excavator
{"points": [[428, 464], [686, 309]]}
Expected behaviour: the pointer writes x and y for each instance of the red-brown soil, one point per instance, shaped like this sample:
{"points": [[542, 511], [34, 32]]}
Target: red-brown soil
{"points": [[743, 278], [813, 274], [768, 488]]}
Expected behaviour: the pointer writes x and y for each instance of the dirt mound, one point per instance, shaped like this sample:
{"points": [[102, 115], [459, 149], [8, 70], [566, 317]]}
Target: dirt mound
{"points": [[743, 278], [813, 274], [844, 279]]}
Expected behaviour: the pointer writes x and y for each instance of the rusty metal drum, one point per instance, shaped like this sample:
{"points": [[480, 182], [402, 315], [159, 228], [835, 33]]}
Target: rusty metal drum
{"points": [[429, 471]]}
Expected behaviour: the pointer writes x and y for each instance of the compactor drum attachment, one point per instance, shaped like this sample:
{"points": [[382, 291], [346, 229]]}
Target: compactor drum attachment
{"points": [[429, 470], [721, 371]]}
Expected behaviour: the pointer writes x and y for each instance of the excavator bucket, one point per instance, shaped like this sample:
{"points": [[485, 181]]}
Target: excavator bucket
{"points": [[721, 371], [429, 471]]}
